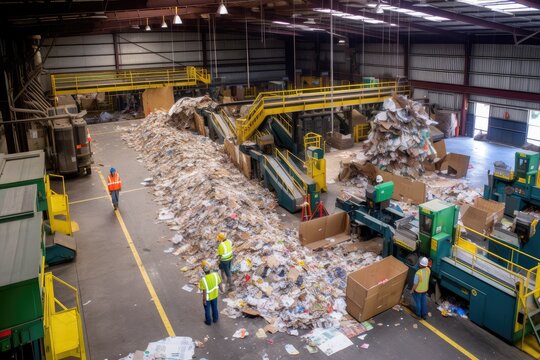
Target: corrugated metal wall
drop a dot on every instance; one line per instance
(381, 60)
(443, 63)
(449, 101)
(506, 67)
(159, 49)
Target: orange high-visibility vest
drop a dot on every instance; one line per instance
(114, 182)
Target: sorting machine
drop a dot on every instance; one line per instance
(502, 294)
(518, 188)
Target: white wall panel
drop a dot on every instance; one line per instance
(444, 100)
(514, 114)
(442, 63)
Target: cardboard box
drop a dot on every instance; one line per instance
(455, 164)
(375, 288)
(482, 215)
(340, 141)
(325, 232)
(357, 118)
(159, 98)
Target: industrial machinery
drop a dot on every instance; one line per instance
(500, 291)
(519, 188)
(34, 322)
(70, 150)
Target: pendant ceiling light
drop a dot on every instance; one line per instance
(147, 28)
(163, 23)
(177, 20)
(222, 10)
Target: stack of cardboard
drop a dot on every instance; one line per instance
(340, 141)
(399, 141)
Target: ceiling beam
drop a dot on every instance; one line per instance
(430, 10)
(529, 3)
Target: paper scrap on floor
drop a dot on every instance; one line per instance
(171, 348)
(329, 341)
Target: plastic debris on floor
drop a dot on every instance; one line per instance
(399, 140)
(201, 193)
(448, 309)
(171, 348)
(329, 341)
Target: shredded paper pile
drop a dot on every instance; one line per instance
(399, 139)
(201, 193)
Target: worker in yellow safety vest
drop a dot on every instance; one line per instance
(420, 288)
(114, 185)
(209, 285)
(225, 254)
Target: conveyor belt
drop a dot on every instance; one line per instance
(490, 269)
(222, 126)
(273, 103)
(285, 180)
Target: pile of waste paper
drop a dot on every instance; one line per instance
(201, 194)
(399, 140)
(182, 112)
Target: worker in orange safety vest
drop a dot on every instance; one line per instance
(114, 184)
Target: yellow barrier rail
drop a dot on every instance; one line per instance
(279, 102)
(64, 337)
(108, 81)
(361, 132)
(283, 182)
(286, 122)
(312, 139)
(291, 169)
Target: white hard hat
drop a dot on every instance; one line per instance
(424, 262)
(379, 179)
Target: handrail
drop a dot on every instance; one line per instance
(498, 242)
(475, 257)
(283, 182)
(86, 82)
(317, 98)
(302, 186)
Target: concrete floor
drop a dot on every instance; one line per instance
(120, 315)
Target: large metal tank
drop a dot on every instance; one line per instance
(82, 146)
(66, 157)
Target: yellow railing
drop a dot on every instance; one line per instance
(312, 139)
(89, 82)
(291, 169)
(361, 132)
(281, 180)
(287, 124)
(278, 102)
(250, 92)
(64, 337)
(58, 204)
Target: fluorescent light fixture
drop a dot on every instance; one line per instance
(147, 28)
(163, 23)
(280, 23)
(501, 6)
(177, 20)
(379, 9)
(341, 41)
(414, 13)
(310, 21)
(222, 10)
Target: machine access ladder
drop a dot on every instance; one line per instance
(280, 102)
(64, 336)
(108, 81)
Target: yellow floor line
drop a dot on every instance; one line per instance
(142, 269)
(104, 196)
(444, 337)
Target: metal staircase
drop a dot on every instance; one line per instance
(280, 102)
(58, 208)
(64, 336)
(108, 81)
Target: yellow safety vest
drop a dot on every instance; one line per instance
(423, 280)
(225, 250)
(210, 283)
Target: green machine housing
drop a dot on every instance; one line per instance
(516, 189)
(437, 225)
(25, 169)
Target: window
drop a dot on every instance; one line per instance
(481, 118)
(533, 131)
(426, 223)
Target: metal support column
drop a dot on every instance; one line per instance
(466, 75)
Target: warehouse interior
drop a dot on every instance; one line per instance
(269, 179)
